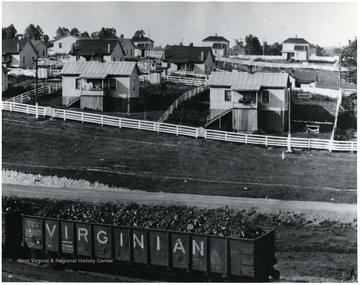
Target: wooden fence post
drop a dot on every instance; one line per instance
(119, 123)
(82, 118)
(246, 138)
(64, 115)
(352, 147)
(177, 130)
(266, 141)
(10, 107)
(330, 145)
(36, 111)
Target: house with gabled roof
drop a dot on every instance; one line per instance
(142, 45)
(297, 49)
(219, 45)
(129, 48)
(62, 45)
(102, 86)
(22, 53)
(250, 102)
(102, 50)
(194, 59)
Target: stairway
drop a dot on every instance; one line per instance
(212, 118)
(182, 98)
(72, 101)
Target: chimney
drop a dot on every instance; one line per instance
(215, 34)
(109, 48)
(202, 55)
(18, 47)
(295, 36)
(122, 36)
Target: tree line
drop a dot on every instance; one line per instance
(36, 33)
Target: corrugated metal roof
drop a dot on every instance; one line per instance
(95, 69)
(243, 81)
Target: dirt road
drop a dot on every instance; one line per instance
(314, 211)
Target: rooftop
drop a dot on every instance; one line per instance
(10, 46)
(94, 46)
(100, 70)
(243, 81)
(296, 41)
(215, 39)
(185, 54)
(304, 76)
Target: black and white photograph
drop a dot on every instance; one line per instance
(194, 141)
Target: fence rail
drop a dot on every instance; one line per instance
(186, 80)
(239, 61)
(84, 117)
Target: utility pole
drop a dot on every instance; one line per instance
(36, 80)
(263, 47)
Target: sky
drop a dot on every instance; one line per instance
(324, 24)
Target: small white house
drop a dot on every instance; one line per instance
(297, 49)
(62, 45)
(220, 45)
(102, 86)
(254, 101)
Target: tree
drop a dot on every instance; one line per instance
(74, 32)
(61, 31)
(45, 39)
(33, 33)
(349, 60)
(275, 49)
(139, 34)
(95, 35)
(252, 45)
(85, 34)
(320, 51)
(9, 32)
(107, 33)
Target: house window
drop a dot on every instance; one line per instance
(265, 96)
(43, 52)
(134, 84)
(228, 96)
(77, 84)
(112, 83)
(23, 59)
(60, 45)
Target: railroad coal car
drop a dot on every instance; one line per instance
(187, 253)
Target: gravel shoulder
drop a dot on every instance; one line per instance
(313, 211)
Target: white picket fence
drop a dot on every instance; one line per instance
(27, 96)
(186, 80)
(281, 141)
(280, 65)
(321, 91)
(243, 138)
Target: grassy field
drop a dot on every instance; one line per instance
(159, 162)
